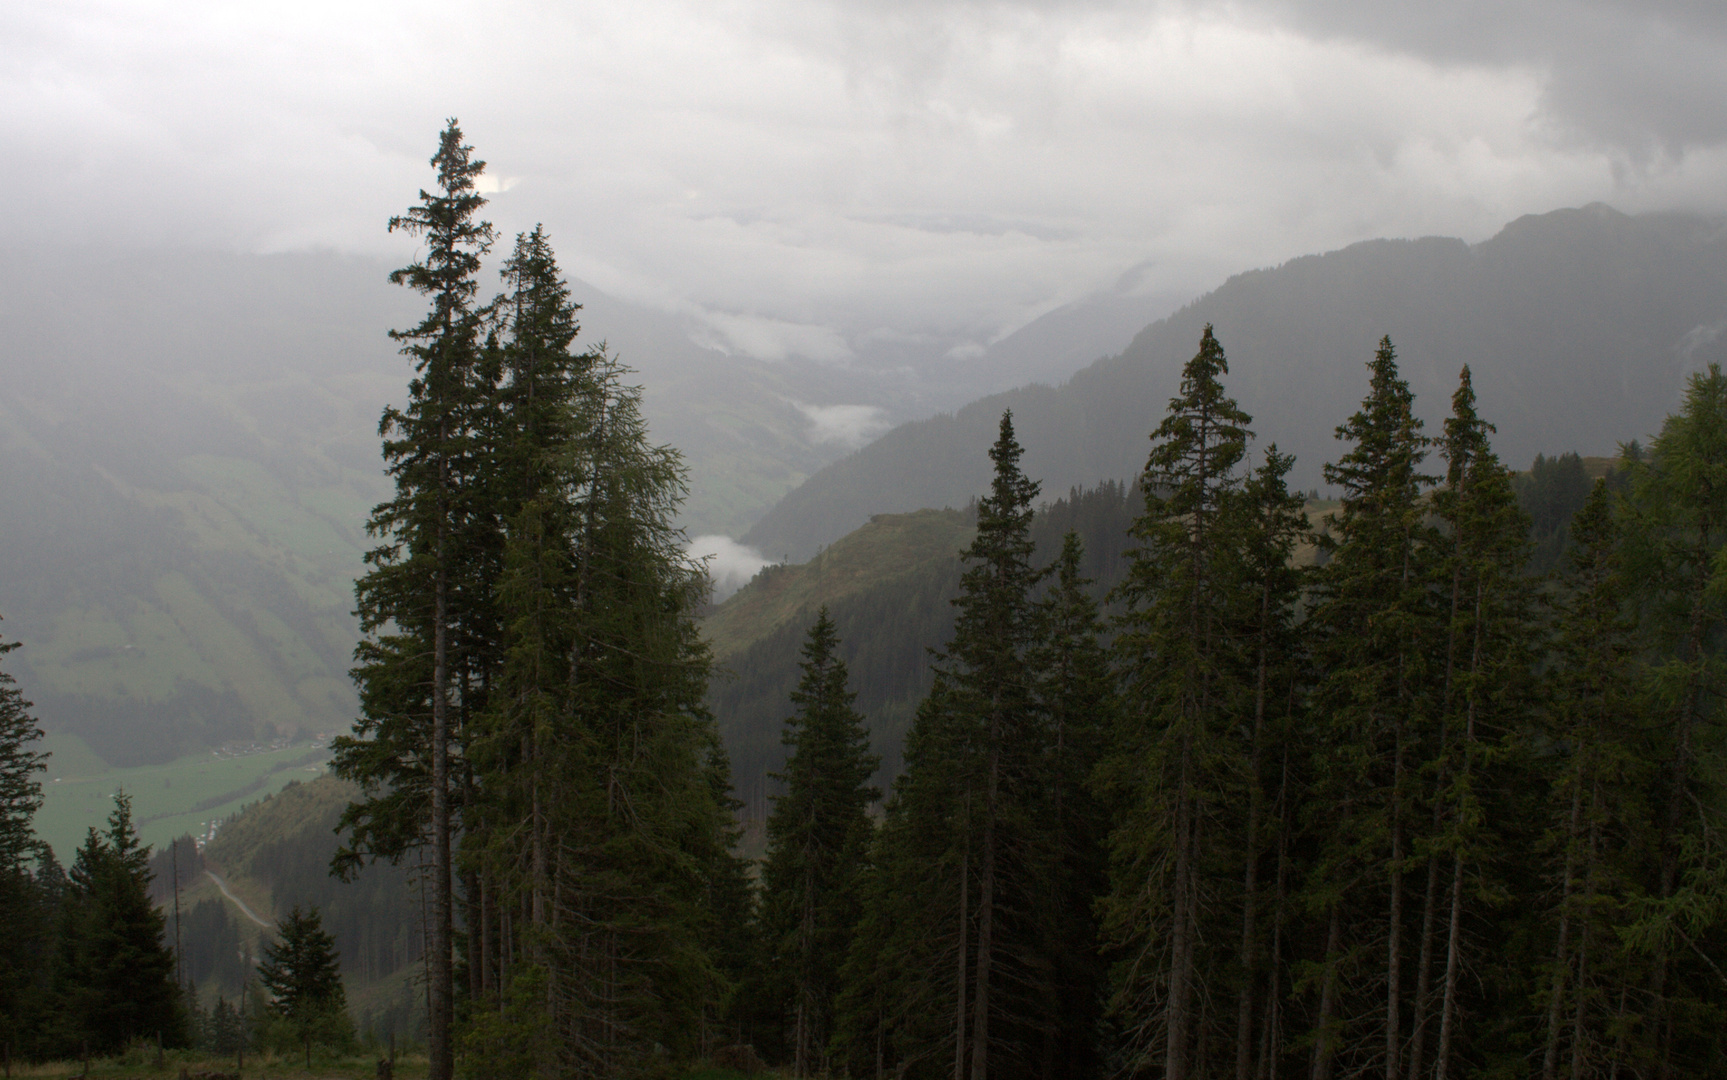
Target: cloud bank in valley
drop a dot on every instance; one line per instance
(730, 564)
(849, 426)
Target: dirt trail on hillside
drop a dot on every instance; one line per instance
(239, 903)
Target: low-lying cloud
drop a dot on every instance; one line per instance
(850, 426)
(731, 565)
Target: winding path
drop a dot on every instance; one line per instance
(239, 903)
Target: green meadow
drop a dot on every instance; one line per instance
(168, 800)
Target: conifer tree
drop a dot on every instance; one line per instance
(1598, 820)
(606, 747)
(24, 946)
(818, 839)
(422, 602)
(20, 791)
(1077, 695)
(733, 932)
(1485, 714)
(948, 939)
(1174, 652)
(995, 700)
(1269, 676)
(225, 1027)
(303, 976)
(114, 976)
(1372, 628)
(904, 997)
(531, 429)
(1674, 534)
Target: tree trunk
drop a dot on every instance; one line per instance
(1430, 897)
(1324, 1051)
(1394, 919)
(1250, 883)
(1561, 952)
(1271, 1047)
(1680, 769)
(1424, 965)
(441, 1065)
(1454, 946)
(488, 982)
(1454, 939)
(964, 943)
(1591, 883)
(1180, 934)
(986, 918)
(804, 1043)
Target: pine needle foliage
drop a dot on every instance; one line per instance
(819, 835)
(1168, 773)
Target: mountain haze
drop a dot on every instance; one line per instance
(189, 452)
(1579, 327)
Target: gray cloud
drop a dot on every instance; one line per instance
(1639, 75)
(849, 426)
(815, 179)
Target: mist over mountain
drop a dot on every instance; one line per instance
(189, 452)
(1579, 327)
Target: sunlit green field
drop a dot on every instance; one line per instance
(182, 796)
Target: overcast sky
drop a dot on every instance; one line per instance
(803, 175)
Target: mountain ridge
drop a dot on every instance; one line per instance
(1579, 326)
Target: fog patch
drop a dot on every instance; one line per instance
(770, 339)
(730, 564)
(849, 426)
(1700, 347)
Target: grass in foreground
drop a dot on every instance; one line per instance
(261, 1066)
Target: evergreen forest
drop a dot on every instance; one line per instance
(1196, 777)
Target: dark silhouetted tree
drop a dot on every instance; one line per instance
(818, 841)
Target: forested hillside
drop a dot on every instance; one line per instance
(888, 588)
(1579, 324)
(274, 856)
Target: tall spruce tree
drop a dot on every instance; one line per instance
(1268, 679)
(20, 791)
(421, 603)
(818, 840)
(1077, 694)
(949, 938)
(1174, 652)
(1372, 626)
(599, 742)
(113, 973)
(993, 697)
(1675, 531)
(633, 812)
(24, 947)
(1598, 819)
(531, 430)
(1479, 776)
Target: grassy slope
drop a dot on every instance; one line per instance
(168, 800)
(888, 547)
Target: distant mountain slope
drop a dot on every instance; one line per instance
(887, 586)
(189, 452)
(1579, 326)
